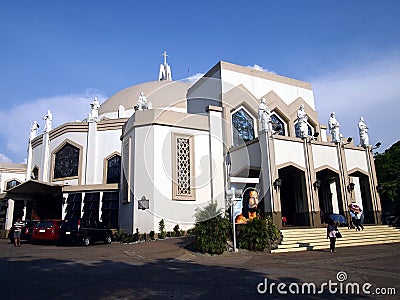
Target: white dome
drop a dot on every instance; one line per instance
(162, 94)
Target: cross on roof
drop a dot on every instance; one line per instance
(165, 57)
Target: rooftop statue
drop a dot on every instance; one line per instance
(34, 129)
(302, 122)
(363, 130)
(334, 128)
(264, 116)
(48, 118)
(142, 102)
(95, 105)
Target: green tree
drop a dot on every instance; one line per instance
(387, 167)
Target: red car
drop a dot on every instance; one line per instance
(47, 230)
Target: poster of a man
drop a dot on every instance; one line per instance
(249, 207)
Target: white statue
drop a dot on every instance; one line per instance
(363, 129)
(142, 102)
(264, 116)
(48, 118)
(334, 128)
(34, 129)
(302, 122)
(94, 113)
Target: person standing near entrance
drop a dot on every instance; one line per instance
(331, 234)
(17, 232)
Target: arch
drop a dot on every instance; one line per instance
(293, 196)
(329, 193)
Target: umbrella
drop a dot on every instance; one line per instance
(354, 207)
(338, 218)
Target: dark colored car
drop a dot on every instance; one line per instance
(84, 232)
(26, 232)
(46, 230)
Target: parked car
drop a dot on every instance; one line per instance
(46, 230)
(26, 232)
(84, 231)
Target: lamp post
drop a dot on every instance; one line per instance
(233, 196)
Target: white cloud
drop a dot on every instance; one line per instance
(16, 120)
(260, 68)
(371, 90)
(4, 158)
(193, 78)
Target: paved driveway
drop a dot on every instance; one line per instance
(166, 270)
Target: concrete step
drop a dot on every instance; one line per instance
(304, 239)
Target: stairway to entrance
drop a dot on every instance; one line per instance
(308, 239)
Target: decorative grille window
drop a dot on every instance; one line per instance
(183, 165)
(183, 180)
(66, 162)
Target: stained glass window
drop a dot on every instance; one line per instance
(66, 162)
(114, 169)
(278, 125)
(243, 127)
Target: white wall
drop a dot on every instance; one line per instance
(261, 86)
(325, 155)
(289, 151)
(356, 159)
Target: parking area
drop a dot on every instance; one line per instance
(165, 269)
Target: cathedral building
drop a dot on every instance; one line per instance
(165, 149)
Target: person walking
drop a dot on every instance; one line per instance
(357, 220)
(17, 232)
(331, 234)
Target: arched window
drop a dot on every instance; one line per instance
(114, 169)
(278, 123)
(12, 183)
(66, 163)
(243, 127)
(35, 173)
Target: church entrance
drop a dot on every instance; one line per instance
(329, 194)
(293, 197)
(360, 193)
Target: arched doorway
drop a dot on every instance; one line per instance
(360, 193)
(329, 194)
(293, 196)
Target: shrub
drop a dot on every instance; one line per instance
(257, 234)
(211, 235)
(152, 235)
(161, 227)
(176, 230)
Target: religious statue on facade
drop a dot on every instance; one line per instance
(48, 118)
(334, 128)
(363, 130)
(302, 122)
(34, 129)
(95, 105)
(142, 102)
(264, 116)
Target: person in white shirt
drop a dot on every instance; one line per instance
(17, 232)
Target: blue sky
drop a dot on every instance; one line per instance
(58, 55)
